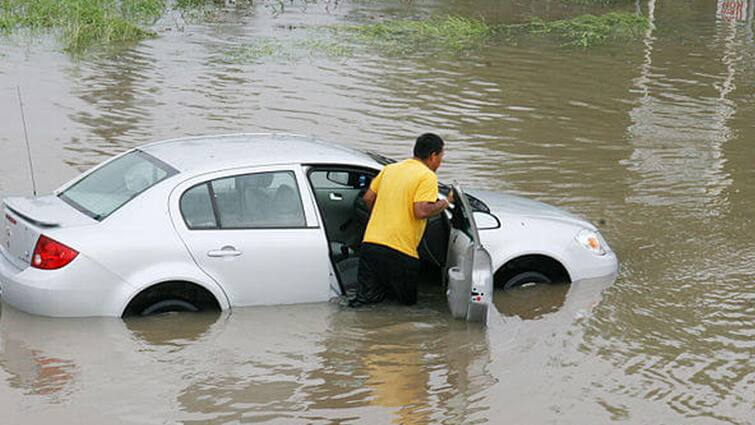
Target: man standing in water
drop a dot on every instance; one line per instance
(401, 198)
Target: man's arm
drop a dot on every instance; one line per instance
(369, 199)
(424, 210)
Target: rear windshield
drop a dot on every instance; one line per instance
(116, 183)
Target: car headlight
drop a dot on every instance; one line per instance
(592, 241)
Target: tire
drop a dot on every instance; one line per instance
(525, 277)
(172, 304)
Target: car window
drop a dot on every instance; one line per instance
(335, 179)
(460, 218)
(196, 208)
(329, 179)
(259, 200)
(111, 186)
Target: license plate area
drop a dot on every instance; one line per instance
(17, 237)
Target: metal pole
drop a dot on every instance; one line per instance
(26, 136)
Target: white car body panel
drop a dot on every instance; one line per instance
(146, 242)
(532, 228)
(62, 292)
(276, 266)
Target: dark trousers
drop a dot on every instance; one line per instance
(385, 273)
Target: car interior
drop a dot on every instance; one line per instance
(260, 200)
(338, 192)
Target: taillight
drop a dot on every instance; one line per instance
(51, 255)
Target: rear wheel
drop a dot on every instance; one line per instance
(169, 305)
(171, 296)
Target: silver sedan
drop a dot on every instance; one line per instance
(217, 222)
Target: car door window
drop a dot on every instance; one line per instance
(460, 217)
(196, 208)
(259, 200)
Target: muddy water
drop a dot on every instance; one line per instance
(653, 140)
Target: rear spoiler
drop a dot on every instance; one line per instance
(22, 206)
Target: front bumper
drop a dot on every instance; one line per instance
(82, 288)
(586, 265)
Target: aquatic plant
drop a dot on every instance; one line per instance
(403, 35)
(254, 51)
(186, 4)
(456, 33)
(596, 2)
(590, 30)
(286, 50)
(83, 23)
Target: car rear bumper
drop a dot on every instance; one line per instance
(82, 288)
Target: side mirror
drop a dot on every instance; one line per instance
(339, 177)
(485, 221)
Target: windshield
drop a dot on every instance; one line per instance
(113, 185)
(380, 159)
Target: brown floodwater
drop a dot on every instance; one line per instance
(654, 140)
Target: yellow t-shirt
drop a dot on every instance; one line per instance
(398, 187)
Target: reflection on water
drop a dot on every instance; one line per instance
(652, 140)
(682, 121)
(162, 329)
(35, 373)
(531, 302)
(314, 363)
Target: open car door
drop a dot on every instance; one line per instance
(469, 270)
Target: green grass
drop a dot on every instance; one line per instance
(83, 23)
(404, 36)
(286, 50)
(255, 51)
(187, 4)
(596, 2)
(590, 30)
(451, 33)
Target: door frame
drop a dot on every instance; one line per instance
(475, 284)
(307, 169)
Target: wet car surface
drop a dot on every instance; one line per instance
(650, 141)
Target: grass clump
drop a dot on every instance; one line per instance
(82, 23)
(255, 51)
(403, 36)
(596, 2)
(590, 30)
(456, 33)
(286, 51)
(187, 4)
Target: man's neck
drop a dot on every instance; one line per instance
(422, 161)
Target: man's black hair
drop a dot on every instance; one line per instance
(428, 144)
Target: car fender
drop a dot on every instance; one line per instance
(526, 236)
(171, 272)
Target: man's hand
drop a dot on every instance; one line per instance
(450, 196)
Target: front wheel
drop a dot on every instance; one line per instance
(526, 278)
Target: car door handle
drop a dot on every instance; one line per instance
(336, 197)
(226, 251)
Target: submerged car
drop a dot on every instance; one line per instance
(217, 222)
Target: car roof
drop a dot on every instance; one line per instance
(216, 152)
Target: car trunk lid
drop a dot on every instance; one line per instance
(25, 219)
